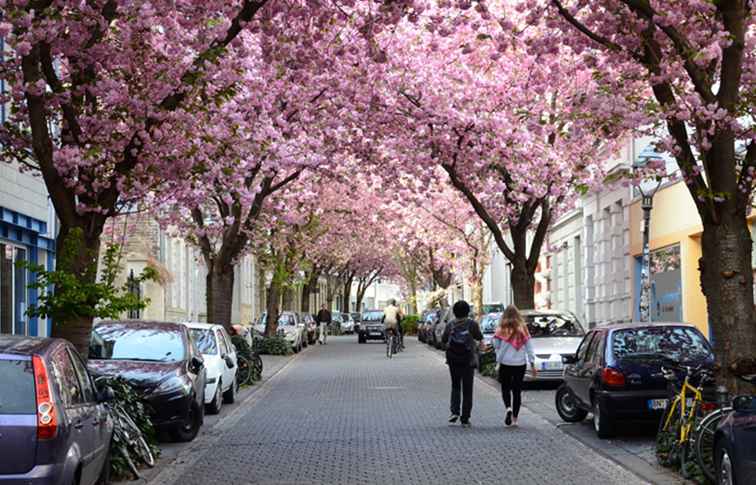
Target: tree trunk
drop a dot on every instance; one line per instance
(272, 307)
(83, 265)
(477, 293)
(288, 299)
(523, 285)
(220, 293)
(311, 284)
(413, 298)
(727, 284)
(346, 294)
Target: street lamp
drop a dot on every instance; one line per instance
(648, 183)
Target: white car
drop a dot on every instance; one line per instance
(219, 354)
(291, 326)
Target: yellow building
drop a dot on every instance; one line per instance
(675, 244)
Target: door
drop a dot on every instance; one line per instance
(94, 417)
(228, 374)
(77, 412)
(576, 375)
(591, 367)
(744, 439)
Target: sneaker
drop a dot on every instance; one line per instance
(453, 418)
(466, 424)
(508, 418)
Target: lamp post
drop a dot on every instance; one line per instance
(647, 185)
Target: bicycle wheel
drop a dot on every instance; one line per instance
(389, 346)
(668, 449)
(243, 370)
(124, 452)
(257, 366)
(143, 451)
(704, 442)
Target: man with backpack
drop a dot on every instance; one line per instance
(460, 336)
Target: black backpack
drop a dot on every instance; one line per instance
(461, 344)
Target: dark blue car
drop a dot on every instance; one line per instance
(54, 427)
(735, 444)
(616, 373)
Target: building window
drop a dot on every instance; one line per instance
(13, 291)
(135, 289)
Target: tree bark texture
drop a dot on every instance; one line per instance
(346, 294)
(219, 294)
(273, 308)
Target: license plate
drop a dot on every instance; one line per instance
(551, 366)
(375, 333)
(656, 404)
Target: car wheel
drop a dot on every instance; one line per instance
(567, 406)
(229, 397)
(725, 470)
(602, 422)
(215, 405)
(189, 429)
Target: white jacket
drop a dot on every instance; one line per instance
(390, 316)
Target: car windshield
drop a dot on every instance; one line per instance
(488, 322)
(337, 317)
(205, 340)
(286, 319)
(123, 342)
(372, 316)
(553, 325)
(681, 344)
(17, 375)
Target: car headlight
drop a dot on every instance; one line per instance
(173, 385)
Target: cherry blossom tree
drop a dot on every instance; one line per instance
(505, 124)
(698, 61)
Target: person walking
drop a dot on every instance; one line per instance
(324, 319)
(514, 351)
(460, 336)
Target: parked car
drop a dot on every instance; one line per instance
(371, 327)
(221, 365)
(356, 317)
(488, 325)
(311, 328)
(291, 326)
(162, 363)
(616, 372)
(735, 443)
(444, 318)
(337, 320)
(53, 421)
(553, 335)
(347, 324)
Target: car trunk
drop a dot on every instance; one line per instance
(18, 418)
(642, 372)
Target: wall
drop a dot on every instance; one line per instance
(564, 283)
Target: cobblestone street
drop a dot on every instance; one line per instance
(345, 414)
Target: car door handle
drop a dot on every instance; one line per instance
(78, 425)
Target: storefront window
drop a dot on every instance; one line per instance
(666, 285)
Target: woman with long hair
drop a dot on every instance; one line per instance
(514, 351)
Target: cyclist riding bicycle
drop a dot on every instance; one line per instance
(392, 318)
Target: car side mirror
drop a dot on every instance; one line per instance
(744, 403)
(197, 364)
(229, 361)
(569, 359)
(105, 394)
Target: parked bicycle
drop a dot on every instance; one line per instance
(249, 362)
(128, 440)
(684, 410)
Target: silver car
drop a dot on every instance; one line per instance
(554, 334)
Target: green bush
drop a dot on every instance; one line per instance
(669, 454)
(488, 363)
(409, 324)
(274, 346)
(136, 408)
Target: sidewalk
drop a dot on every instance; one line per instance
(272, 364)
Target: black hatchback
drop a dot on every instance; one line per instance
(617, 372)
(160, 360)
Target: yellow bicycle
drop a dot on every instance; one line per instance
(675, 436)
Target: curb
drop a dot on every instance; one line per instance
(188, 456)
